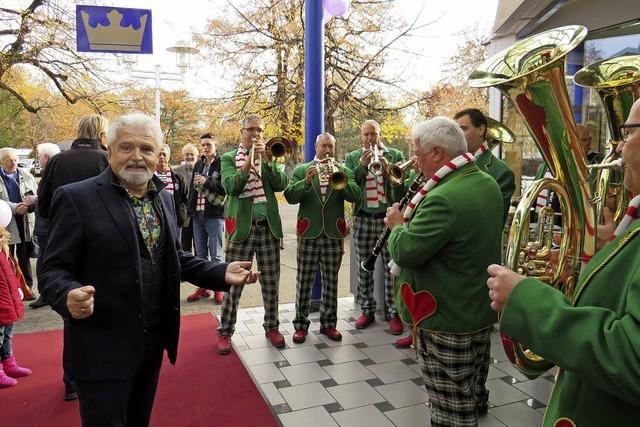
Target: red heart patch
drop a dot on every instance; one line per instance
(303, 225)
(564, 422)
(341, 224)
(420, 304)
(230, 225)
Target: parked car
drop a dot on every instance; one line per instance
(26, 164)
(36, 170)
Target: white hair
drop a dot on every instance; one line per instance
(48, 149)
(326, 135)
(8, 151)
(136, 120)
(440, 131)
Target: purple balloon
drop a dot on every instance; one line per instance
(336, 7)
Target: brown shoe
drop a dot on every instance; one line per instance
(364, 321)
(299, 336)
(332, 333)
(276, 338)
(224, 344)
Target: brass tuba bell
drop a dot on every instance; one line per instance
(617, 82)
(531, 74)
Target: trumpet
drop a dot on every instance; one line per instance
(397, 173)
(279, 146)
(375, 165)
(616, 165)
(328, 171)
(252, 157)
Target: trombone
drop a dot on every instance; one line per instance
(328, 171)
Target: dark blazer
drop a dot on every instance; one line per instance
(213, 184)
(92, 241)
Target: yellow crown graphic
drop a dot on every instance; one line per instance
(114, 36)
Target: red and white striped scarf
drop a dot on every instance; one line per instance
(375, 186)
(632, 213)
(253, 188)
(167, 179)
(452, 165)
(484, 147)
(543, 196)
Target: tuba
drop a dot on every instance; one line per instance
(531, 74)
(617, 81)
(498, 133)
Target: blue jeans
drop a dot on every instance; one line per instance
(207, 236)
(6, 333)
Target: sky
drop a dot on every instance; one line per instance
(436, 43)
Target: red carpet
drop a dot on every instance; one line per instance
(202, 389)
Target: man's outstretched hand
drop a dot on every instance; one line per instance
(239, 273)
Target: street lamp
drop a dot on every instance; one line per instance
(183, 58)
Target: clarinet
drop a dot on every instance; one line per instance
(370, 263)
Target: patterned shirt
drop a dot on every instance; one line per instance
(146, 216)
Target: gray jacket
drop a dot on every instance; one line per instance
(27, 183)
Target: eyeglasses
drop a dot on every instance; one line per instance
(253, 129)
(624, 130)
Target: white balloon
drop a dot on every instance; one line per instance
(5, 213)
(326, 16)
(336, 7)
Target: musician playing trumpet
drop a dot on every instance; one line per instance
(321, 190)
(376, 194)
(441, 244)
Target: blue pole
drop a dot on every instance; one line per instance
(313, 97)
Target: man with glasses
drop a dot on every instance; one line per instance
(206, 208)
(251, 178)
(594, 336)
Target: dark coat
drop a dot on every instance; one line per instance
(213, 184)
(92, 241)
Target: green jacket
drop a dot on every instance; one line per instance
(314, 215)
(503, 175)
(594, 339)
(444, 252)
(240, 211)
(392, 194)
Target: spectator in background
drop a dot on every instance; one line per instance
(185, 170)
(174, 184)
(86, 158)
(206, 207)
(18, 189)
(45, 151)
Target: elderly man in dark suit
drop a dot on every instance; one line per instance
(113, 269)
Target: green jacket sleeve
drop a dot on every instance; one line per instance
(593, 342)
(507, 183)
(298, 187)
(351, 192)
(359, 171)
(233, 179)
(277, 179)
(427, 233)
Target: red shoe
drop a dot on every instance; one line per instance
(299, 336)
(224, 344)
(404, 342)
(218, 297)
(395, 325)
(199, 294)
(276, 338)
(332, 333)
(364, 321)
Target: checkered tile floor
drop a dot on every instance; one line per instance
(364, 380)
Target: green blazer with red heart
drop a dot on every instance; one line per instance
(392, 193)
(314, 215)
(594, 338)
(455, 233)
(239, 211)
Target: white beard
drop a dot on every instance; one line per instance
(135, 178)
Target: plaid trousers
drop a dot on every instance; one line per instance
(267, 251)
(451, 369)
(365, 234)
(328, 253)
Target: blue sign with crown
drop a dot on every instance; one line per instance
(113, 29)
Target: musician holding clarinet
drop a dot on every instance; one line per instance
(440, 254)
(368, 165)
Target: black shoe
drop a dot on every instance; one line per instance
(40, 302)
(70, 395)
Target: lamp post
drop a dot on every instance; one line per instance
(183, 59)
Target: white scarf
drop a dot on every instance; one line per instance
(629, 216)
(253, 187)
(454, 164)
(375, 186)
(484, 147)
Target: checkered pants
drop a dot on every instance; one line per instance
(267, 251)
(451, 367)
(328, 253)
(365, 234)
